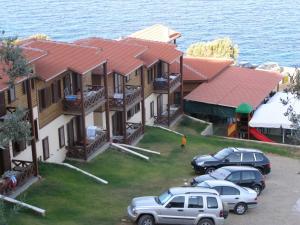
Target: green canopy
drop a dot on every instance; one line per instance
(244, 108)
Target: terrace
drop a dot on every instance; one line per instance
(165, 119)
(163, 85)
(93, 98)
(133, 95)
(133, 132)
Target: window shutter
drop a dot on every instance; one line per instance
(8, 96)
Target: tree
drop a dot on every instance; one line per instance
(294, 90)
(14, 127)
(219, 48)
(40, 37)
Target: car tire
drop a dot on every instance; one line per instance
(146, 220)
(240, 208)
(205, 222)
(209, 170)
(257, 189)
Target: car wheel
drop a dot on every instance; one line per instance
(146, 220)
(210, 170)
(240, 208)
(257, 189)
(205, 222)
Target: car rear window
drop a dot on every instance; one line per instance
(248, 175)
(259, 157)
(230, 191)
(212, 203)
(195, 202)
(248, 157)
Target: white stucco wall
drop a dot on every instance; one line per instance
(148, 100)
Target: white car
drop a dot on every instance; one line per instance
(239, 199)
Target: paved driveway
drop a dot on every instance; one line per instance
(279, 203)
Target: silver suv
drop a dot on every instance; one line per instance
(180, 205)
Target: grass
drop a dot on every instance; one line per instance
(74, 199)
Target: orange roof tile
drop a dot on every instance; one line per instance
(122, 57)
(31, 55)
(236, 85)
(201, 69)
(157, 32)
(156, 51)
(62, 56)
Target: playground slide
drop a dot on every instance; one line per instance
(259, 136)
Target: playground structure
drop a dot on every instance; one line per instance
(241, 129)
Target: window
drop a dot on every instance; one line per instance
(45, 98)
(24, 89)
(18, 146)
(133, 110)
(230, 191)
(212, 203)
(150, 75)
(137, 108)
(138, 72)
(248, 175)
(195, 202)
(259, 157)
(234, 177)
(61, 135)
(56, 91)
(32, 84)
(234, 157)
(218, 189)
(177, 202)
(11, 94)
(36, 130)
(248, 157)
(151, 109)
(46, 153)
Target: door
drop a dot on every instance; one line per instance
(70, 130)
(194, 208)
(118, 83)
(234, 159)
(117, 124)
(173, 212)
(248, 159)
(230, 195)
(159, 105)
(2, 104)
(5, 163)
(79, 128)
(159, 69)
(234, 177)
(248, 179)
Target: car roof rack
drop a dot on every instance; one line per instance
(200, 192)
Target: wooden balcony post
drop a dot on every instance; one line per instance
(124, 109)
(181, 83)
(169, 97)
(143, 98)
(107, 101)
(31, 119)
(83, 118)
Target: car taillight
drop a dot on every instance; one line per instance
(269, 165)
(221, 213)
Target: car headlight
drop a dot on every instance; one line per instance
(200, 163)
(134, 211)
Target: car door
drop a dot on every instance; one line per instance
(230, 195)
(194, 208)
(173, 211)
(248, 159)
(233, 159)
(234, 177)
(248, 179)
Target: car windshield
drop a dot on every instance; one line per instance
(164, 197)
(220, 174)
(203, 184)
(223, 153)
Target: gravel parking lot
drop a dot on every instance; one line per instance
(279, 203)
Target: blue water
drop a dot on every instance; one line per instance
(265, 30)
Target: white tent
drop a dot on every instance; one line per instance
(272, 114)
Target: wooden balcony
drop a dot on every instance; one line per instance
(22, 170)
(93, 98)
(133, 132)
(133, 95)
(164, 120)
(77, 151)
(161, 85)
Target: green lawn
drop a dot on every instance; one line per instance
(72, 198)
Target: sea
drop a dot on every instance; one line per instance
(264, 30)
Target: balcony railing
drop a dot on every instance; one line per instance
(93, 97)
(163, 119)
(133, 130)
(22, 171)
(133, 95)
(161, 84)
(77, 151)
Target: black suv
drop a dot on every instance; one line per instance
(232, 157)
(244, 176)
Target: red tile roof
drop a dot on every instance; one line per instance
(155, 51)
(236, 85)
(62, 56)
(122, 57)
(31, 56)
(157, 32)
(201, 69)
